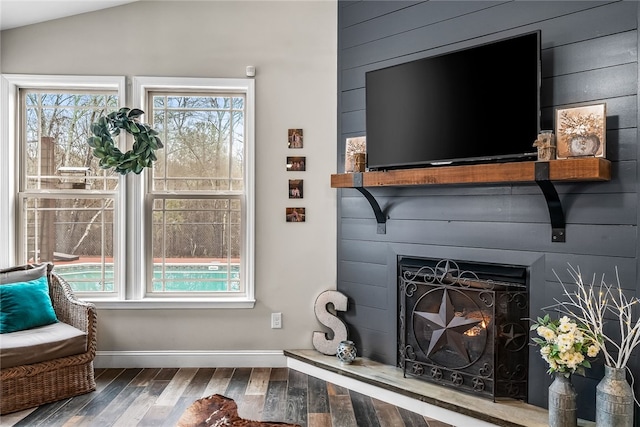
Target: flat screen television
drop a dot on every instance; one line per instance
(480, 104)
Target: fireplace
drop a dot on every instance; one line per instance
(463, 325)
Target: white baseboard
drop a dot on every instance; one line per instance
(191, 359)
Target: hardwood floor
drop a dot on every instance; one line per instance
(158, 397)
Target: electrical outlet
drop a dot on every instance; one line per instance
(276, 320)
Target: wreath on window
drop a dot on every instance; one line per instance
(141, 156)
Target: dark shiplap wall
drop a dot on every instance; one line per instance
(589, 54)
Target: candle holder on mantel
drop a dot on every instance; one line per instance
(346, 352)
(546, 144)
(360, 162)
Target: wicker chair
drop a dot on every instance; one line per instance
(28, 386)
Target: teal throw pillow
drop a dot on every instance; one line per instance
(25, 305)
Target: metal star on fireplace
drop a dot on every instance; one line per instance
(508, 332)
(447, 327)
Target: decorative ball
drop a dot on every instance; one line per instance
(346, 351)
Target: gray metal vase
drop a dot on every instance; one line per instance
(614, 399)
(562, 402)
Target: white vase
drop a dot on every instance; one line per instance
(584, 145)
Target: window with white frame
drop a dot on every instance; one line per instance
(198, 192)
(66, 205)
(179, 232)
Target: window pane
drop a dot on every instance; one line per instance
(76, 234)
(196, 245)
(204, 143)
(237, 153)
(56, 153)
(198, 191)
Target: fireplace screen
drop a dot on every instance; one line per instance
(462, 325)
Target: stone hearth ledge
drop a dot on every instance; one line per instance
(504, 412)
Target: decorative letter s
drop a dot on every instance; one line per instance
(320, 341)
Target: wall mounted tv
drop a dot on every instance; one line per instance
(479, 104)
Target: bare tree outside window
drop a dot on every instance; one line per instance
(202, 163)
(62, 222)
(189, 237)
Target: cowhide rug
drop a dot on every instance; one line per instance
(220, 411)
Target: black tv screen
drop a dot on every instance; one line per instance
(478, 104)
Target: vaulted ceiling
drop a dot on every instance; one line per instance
(17, 13)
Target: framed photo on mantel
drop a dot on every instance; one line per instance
(581, 131)
(354, 154)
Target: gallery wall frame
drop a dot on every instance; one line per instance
(295, 138)
(296, 214)
(296, 189)
(296, 163)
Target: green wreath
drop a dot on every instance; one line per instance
(141, 156)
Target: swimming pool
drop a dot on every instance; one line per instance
(177, 277)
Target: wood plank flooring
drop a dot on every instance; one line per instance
(158, 397)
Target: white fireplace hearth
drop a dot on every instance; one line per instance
(388, 383)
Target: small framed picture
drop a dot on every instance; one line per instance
(295, 138)
(581, 131)
(296, 214)
(354, 154)
(296, 164)
(295, 189)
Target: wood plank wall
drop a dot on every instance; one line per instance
(589, 54)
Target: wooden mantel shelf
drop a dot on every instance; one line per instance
(582, 169)
(542, 173)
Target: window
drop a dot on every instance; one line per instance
(64, 207)
(179, 234)
(198, 193)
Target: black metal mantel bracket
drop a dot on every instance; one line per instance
(381, 219)
(556, 214)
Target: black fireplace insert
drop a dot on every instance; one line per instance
(464, 325)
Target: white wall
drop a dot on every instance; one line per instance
(293, 45)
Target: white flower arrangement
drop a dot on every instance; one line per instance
(589, 304)
(564, 345)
